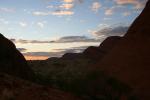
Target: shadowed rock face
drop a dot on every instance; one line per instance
(129, 60)
(97, 53)
(12, 61)
(109, 43)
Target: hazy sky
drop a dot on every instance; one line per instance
(46, 28)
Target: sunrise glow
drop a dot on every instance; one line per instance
(48, 28)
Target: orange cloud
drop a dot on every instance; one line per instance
(60, 13)
(36, 57)
(95, 6)
(66, 6)
(109, 11)
(126, 1)
(57, 12)
(138, 4)
(126, 13)
(39, 13)
(68, 1)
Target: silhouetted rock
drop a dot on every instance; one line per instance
(129, 60)
(97, 53)
(94, 53)
(71, 56)
(12, 61)
(52, 58)
(107, 45)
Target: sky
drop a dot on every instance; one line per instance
(49, 28)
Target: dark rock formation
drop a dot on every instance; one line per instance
(97, 53)
(129, 60)
(12, 61)
(107, 45)
(12, 88)
(71, 56)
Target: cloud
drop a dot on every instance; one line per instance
(95, 6)
(39, 54)
(80, 1)
(111, 31)
(63, 8)
(72, 50)
(68, 1)
(22, 49)
(69, 39)
(50, 6)
(127, 13)
(138, 4)
(120, 7)
(66, 39)
(44, 54)
(109, 11)
(40, 24)
(4, 21)
(59, 52)
(22, 41)
(56, 12)
(8, 10)
(123, 2)
(13, 40)
(116, 8)
(38, 13)
(62, 12)
(106, 18)
(66, 6)
(23, 24)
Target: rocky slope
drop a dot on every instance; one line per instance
(12, 88)
(129, 60)
(12, 61)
